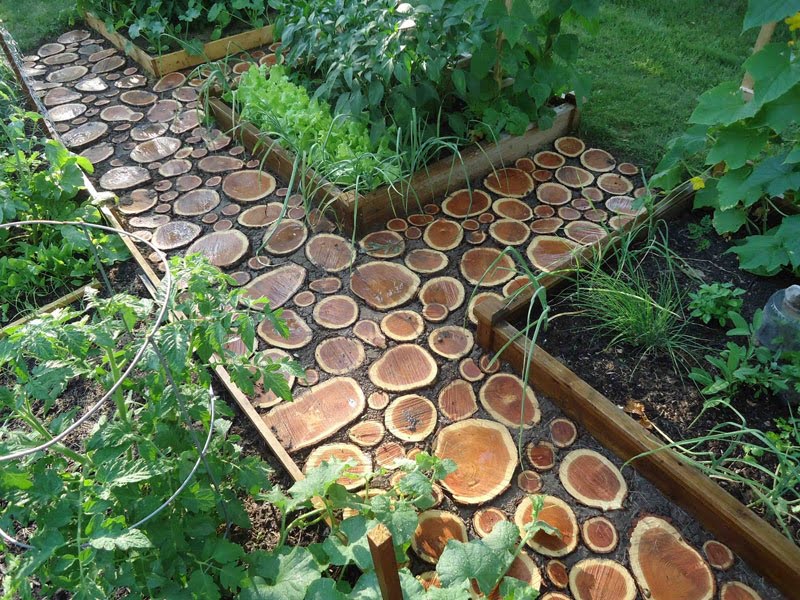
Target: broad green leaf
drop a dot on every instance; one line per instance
(131, 538)
(729, 221)
(287, 575)
(515, 589)
(774, 70)
(782, 112)
(760, 12)
(356, 549)
(761, 254)
(324, 589)
(736, 144)
(722, 105)
(203, 585)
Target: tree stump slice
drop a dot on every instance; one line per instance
(451, 341)
(511, 208)
(719, 556)
(445, 290)
(66, 112)
(138, 98)
(384, 285)
(598, 160)
(553, 194)
(509, 400)
(434, 529)
(558, 515)
(196, 202)
(285, 236)
(508, 232)
(601, 579)
(50, 49)
(169, 82)
(277, 285)
(623, 205)
(736, 590)
(599, 535)
(478, 299)
(593, 480)
(402, 325)
(485, 519)
(435, 313)
(124, 178)
(60, 95)
(175, 234)
(529, 482)
(585, 232)
(546, 226)
(67, 74)
(112, 63)
(403, 368)
(336, 312)
(85, 135)
(260, 215)
(339, 355)
(175, 167)
(557, 573)
(424, 260)
(262, 397)
(330, 252)
(370, 333)
(300, 334)
(248, 186)
(155, 150)
(383, 244)
(510, 182)
(563, 432)
(466, 203)
(219, 164)
(443, 234)
(222, 248)
(137, 202)
(612, 183)
(457, 400)
(549, 253)
(574, 177)
(487, 267)
(513, 287)
(548, 160)
(541, 455)
(411, 418)
(390, 455)
(352, 478)
(569, 146)
(367, 433)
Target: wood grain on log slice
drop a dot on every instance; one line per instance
(124, 178)
(542, 175)
(396, 224)
(502, 397)
(429, 579)
(223, 225)
(523, 568)
(628, 169)
(475, 300)
(601, 579)
(563, 432)
(618, 222)
(424, 260)
(384, 285)
(310, 378)
(74, 36)
(403, 325)
(466, 203)
(556, 572)
(169, 82)
(352, 477)
(596, 215)
(130, 82)
(149, 221)
(248, 186)
(304, 299)
(555, 596)
(383, 244)
(112, 63)
(585, 232)
(434, 529)
(619, 185)
(84, 135)
(186, 120)
(155, 149)
(413, 233)
(476, 238)
(485, 457)
(195, 203)
(665, 566)
(556, 513)
(277, 285)
(260, 215)
(529, 482)
(262, 397)
(378, 400)
(222, 248)
(486, 218)
(137, 202)
(435, 313)
(120, 113)
(403, 368)
(148, 131)
(330, 252)
(736, 590)
(390, 455)
(443, 234)
(581, 204)
(185, 94)
(285, 236)
(219, 164)
(599, 535)
(257, 263)
(339, 355)
(50, 49)
(549, 253)
(511, 182)
(592, 194)
(61, 59)
(509, 232)
(138, 98)
(598, 160)
(369, 333)
(641, 192)
(548, 160)
(593, 480)
(542, 455)
(525, 164)
(569, 146)
(411, 418)
(511, 208)
(175, 235)
(487, 267)
(568, 213)
(60, 95)
(240, 278)
(336, 312)
(99, 153)
(66, 112)
(513, 287)
(93, 85)
(718, 554)
(545, 226)
(488, 364)
(175, 167)
(67, 74)
(451, 341)
(553, 194)
(419, 220)
(469, 370)
(574, 177)
(624, 205)
(457, 400)
(485, 519)
(367, 433)
(163, 111)
(470, 225)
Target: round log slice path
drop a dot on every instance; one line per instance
(487, 267)
(556, 572)
(556, 513)
(336, 312)
(149, 148)
(403, 325)
(434, 530)
(352, 477)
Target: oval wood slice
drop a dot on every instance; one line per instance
(509, 232)
(124, 178)
(618, 185)
(186, 120)
(155, 149)
(390, 455)
(599, 535)
(623, 205)
(330, 252)
(277, 285)
(60, 95)
(219, 163)
(541, 455)
(175, 234)
(403, 325)
(466, 203)
(370, 333)
(85, 135)
(487, 267)
(628, 169)
(585, 232)
(352, 478)
(718, 554)
(502, 397)
(248, 186)
(148, 131)
(300, 334)
(403, 368)
(98, 153)
(529, 482)
(598, 160)
(339, 355)
(262, 397)
(574, 177)
(367, 433)
(196, 202)
(304, 299)
(169, 82)
(112, 63)
(485, 457)
(326, 285)
(478, 299)
(66, 112)
(593, 480)
(137, 202)
(542, 175)
(419, 220)
(511, 182)
(67, 74)
(518, 283)
(378, 400)
(384, 285)
(260, 215)
(665, 566)
(525, 164)
(511, 208)
(163, 111)
(383, 244)
(545, 226)
(596, 215)
(443, 235)
(50, 49)
(736, 590)
(569, 146)
(447, 291)
(601, 579)
(336, 312)
(411, 418)
(396, 224)
(175, 167)
(485, 519)
(435, 313)
(557, 573)
(568, 213)
(553, 194)
(523, 568)
(119, 113)
(149, 221)
(556, 513)
(222, 248)
(451, 341)
(563, 432)
(549, 253)
(434, 529)
(457, 400)
(548, 160)
(285, 236)
(92, 85)
(424, 260)
(619, 222)
(138, 98)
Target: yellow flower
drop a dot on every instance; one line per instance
(793, 22)
(697, 183)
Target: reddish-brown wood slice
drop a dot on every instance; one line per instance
(553, 194)
(502, 397)
(574, 177)
(542, 455)
(411, 418)
(285, 236)
(425, 260)
(718, 554)
(525, 164)
(330, 252)
(487, 267)
(404, 368)
(599, 535)
(300, 334)
(585, 232)
(260, 215)
(124, 178)
(568, 213)
(547, 225)
(138, 98)
(511, 208)
(596, 215)
(618, 185)
(339, 355)
(175, 234)
(277, 285)
(548, 160)
(485, 457)
(378, 400)
(451, 341)
(736, 590)
(396, 224)
(443, 235)
(513, 287)
(569, 146)
(248, 186)
(556, 513)
(509, 232)
(390, 455)
(601, 579)
(624, 205)
(196, 202)
(384, 285)
(336, 312)
(304, 299)
(466, 203)
(175, 167)
(485, 519)
(219, 163)
(383, 244)
(169, 82)
(557, 573)
(352, 478)
(60, 95)
(403, 325)
(555, 596)
(628, 169)
(593, 480)
(85, 135)
(598, 160)
(448, 291)
(529, 482)
(477, 299)
(549, 253)
(510, 182)
(370, 333)
(367, 433)
(435, 313)
(563, 432)
(137, 202)
(222, 248)
(665, 566)
(326, 285)
(523, 568)
(434, 529)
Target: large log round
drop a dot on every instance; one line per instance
(511, 208)
(278, 285)
(457, 400)
(434, 529)
(248, 186)
(330, 252)
(411, 418)
(509, 400)
(352, 478)
(404, 368)
(197, 202)
(569, 146)
(598, 160)
(451, 341)
(447, 291)
(384, 285)
(593, 480)
(175, 235)
(548, 253)
(557, 514)
(222, 248)
(736, 590)
(511, 182)
(425, 260)
(601, 579)
(443, 235)
(466, 203)
(285, 236)
(339, 355)
(487, 267)
(336, 312)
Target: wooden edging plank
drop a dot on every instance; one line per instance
(760, 545)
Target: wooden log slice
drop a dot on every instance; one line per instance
(624, 205)
(219, 163)
(186, 120)
(149, 221)
(549, 253)
(466, 203)
(300, 334)
(403, 325)
(248, 186)
(585, 232)
(353, 476)
(169, 82)
(489, 364)
(541, 455)
(148, 131)
(487, 267)
(574, 177)
(485, 519)
(478, 299)
(593, 480)
(665, 566)
(411, 418)
(556, 513)
(513, 287)
(569, 146)
(384, 285)
(326, 285)
(718, 554)
(85, 135)
(598, 160)
(448, 291)
(330, 252)
(196, 202)
(175, 234)
(367, 433)
(390, 455)
(66, 112)
(549, 160)
(175, 167)
(137, 202)
(262, 397)
(339, 355)
(419, 220)
(451, 341)
(443, 235)
(155, 149)
(457, 400)
(260, 215)
(369, 333)
(336, 312)
(563, 432)
(508, 232)
(555, 596)
(124, 178)
(424, 260)
(486, 218)
(557, 573)
(383, 244)
(304, 299)
(601, 579)
(119, 113)
(618, 222)
(60, 95)
(525, 164)
(413, 233)
(138, 98)
(93, 85)
(736, 590)
(553, 194)
(596, 215)
(403, 368)
(581, 204)
(67, 74)
(434, 529)
(611, 183)
(396, 224)
(50, 49)
(435, 313)
(628, 169)
(61, 59)
(285, 236)
(485, 457)
(277, 285)
(542, 175)
(523, 568)
(599, 535)
(502, 397)
(510, 182)
(529, 482)
(378, 400)
(112, 63)
(511, 208)
(163, 111)
(545, 226)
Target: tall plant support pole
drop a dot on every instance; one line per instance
(764, 36)
(383, 557)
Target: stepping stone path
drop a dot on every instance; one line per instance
(380, 325)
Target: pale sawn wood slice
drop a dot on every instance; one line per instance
(336, 312)
(300, 334)
(445, 290)
(601, 579)
(487, 267)
(339, 355)
(466, 203)
(404, 368)
(222, 248)
(403, 325)
(510, 401)
(277, 285)
(411, 418)
(451, 341)
(510, 182)
(593, 480)
(330, 252)
(549, 253)
(384, 285)
(457, 400)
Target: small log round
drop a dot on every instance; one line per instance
(557, 573)
(623, 205)
(149, 221)
(403, 325)
(222, 248)
(508, 232)
(486, 218)
(163, 111)
(434, 529)
(596, 215)
(542, 175)
(563, 432)
(339, 355)
(411, 418)
(581, 204)
(352, 478)
(248, 186)
(556, 513)
(383, 244)
(285, 236)
(599, 535)
(511, 182)
(601, 579)
(569, 146)
(175, 167)
(487, 267)
(169, 82)
(618, 222)
(529, 482)
(574, 177)
(525, 164)
(260, 215)
(568, 213)
(611, 183)
(326, 285)
(523, 568)
(420, 220)
(598, 160)
(378, 400)
(509, 400)
(485, 457)
(336, 312)
(443, 235)
(396, 224)
(488, 364)
(390, 455)
(485, 519)
(370, 333)
(585, 232)
(549, 253)
(367, 433)
(148, 131)
(451, 341)
(518, 283)
(219, 163)
(719, 555)
(511, 208)
(553, 194)
(66, 112)
(476, 238)
(593, 480)
(195, 203)
(300, 334)
(384, 285)
(478, 299)
(175, 234)
(684, 574)
(555, 596)
(547, 225)
(435, 313)
(403, 368)
(466, 203)
(423, 260)
(541, 455)
(548, 160)
(304, 299)
(628, 169)
(330, 252)
(470, 225)
(448, 291)
(137, 202)
(736, 590)
(469, 370)
(413, 233)
(457, 400)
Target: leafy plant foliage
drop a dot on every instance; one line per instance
(715, 301)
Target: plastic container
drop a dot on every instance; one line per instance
(780, 329)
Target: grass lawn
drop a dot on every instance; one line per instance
(33, 22)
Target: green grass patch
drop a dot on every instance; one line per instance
(35, 22)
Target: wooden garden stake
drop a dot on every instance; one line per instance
(383, 557)
(764, 36)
